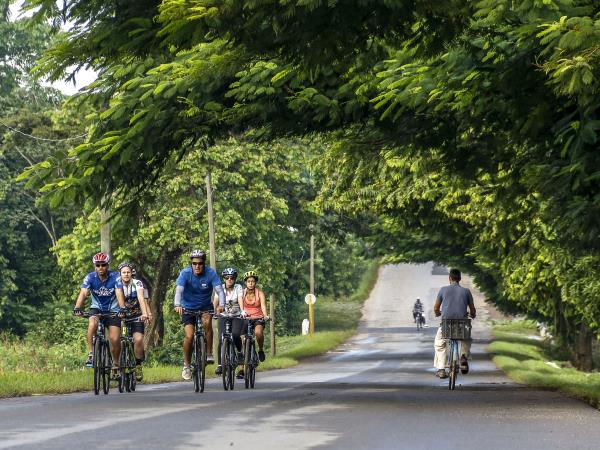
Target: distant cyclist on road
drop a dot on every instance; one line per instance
(255, 307)
(233, 305)
(452, 302)
(102, 285)
(418, 310)
(137, 307)
(194, 292)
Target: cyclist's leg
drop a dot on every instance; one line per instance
(138, 346)
(439, 345)
(188, 330)
(236, 332)
(114, 336)
(208, 332)
(92, 327)
(260, 336)
(465, 348)
(221, 328)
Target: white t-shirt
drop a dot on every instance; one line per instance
(231, 299)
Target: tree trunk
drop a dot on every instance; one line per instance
(584, 348)
(156, 330)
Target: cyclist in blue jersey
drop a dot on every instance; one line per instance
(137, 307)
(102, 286)
(194, 292)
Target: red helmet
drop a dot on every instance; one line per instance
(101, 258)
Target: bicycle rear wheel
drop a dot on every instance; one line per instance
(248, 349)
(97, 365)
(453, 365)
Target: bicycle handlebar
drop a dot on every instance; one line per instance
(100, 315)
(193, 312)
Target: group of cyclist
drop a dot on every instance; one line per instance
(198, 289)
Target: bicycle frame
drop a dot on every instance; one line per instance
(228, 353)
(101, 353)
(198, 360)
(127, 363)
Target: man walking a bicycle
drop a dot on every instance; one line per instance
(452, 302)
(194, 292)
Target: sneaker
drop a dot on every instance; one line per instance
(139, 373)
(89, 362)
(240, 375)
(186, 373)
(464, 365)
(210, 359)
(219, 370)
(261, 355)
(441, 373)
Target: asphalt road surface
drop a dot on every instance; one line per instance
(378, 391)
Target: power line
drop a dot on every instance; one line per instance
(42, 139)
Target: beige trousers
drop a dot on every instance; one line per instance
(439, 360)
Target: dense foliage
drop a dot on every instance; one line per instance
(466, 130)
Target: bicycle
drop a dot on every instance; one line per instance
(102, 359)
(251, 360)
(454, 331)
(198, 362)
(127, 380)
(420, 319)
(229, 360)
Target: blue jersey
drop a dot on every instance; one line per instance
(103, 292)
(197, 290)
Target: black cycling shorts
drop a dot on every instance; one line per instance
(136, 327)
(111, 322)
(190, 319)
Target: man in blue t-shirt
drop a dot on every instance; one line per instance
(194, 292)
(452, 302)
(101, 285)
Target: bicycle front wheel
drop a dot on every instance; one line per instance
(225, 363)
(253, 365)
(131, 365)
(106, 367)
(124, 373)
(97, 365)
(248, 349)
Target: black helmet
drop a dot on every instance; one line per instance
(229, 271)
(127, 264)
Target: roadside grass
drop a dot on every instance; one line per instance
(527, 359)
(25, 370)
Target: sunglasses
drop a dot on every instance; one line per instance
(197, 263)
(101, 265)
(228, 277)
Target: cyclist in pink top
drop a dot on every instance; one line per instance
(255, 307)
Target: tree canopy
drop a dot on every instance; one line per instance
(467, 129)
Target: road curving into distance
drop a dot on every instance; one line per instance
(377, 391)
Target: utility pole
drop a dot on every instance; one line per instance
(105, 231)
(272, 329)
(211, 224)
(211, 243)
(311, 308)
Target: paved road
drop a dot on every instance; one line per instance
(377, 391)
